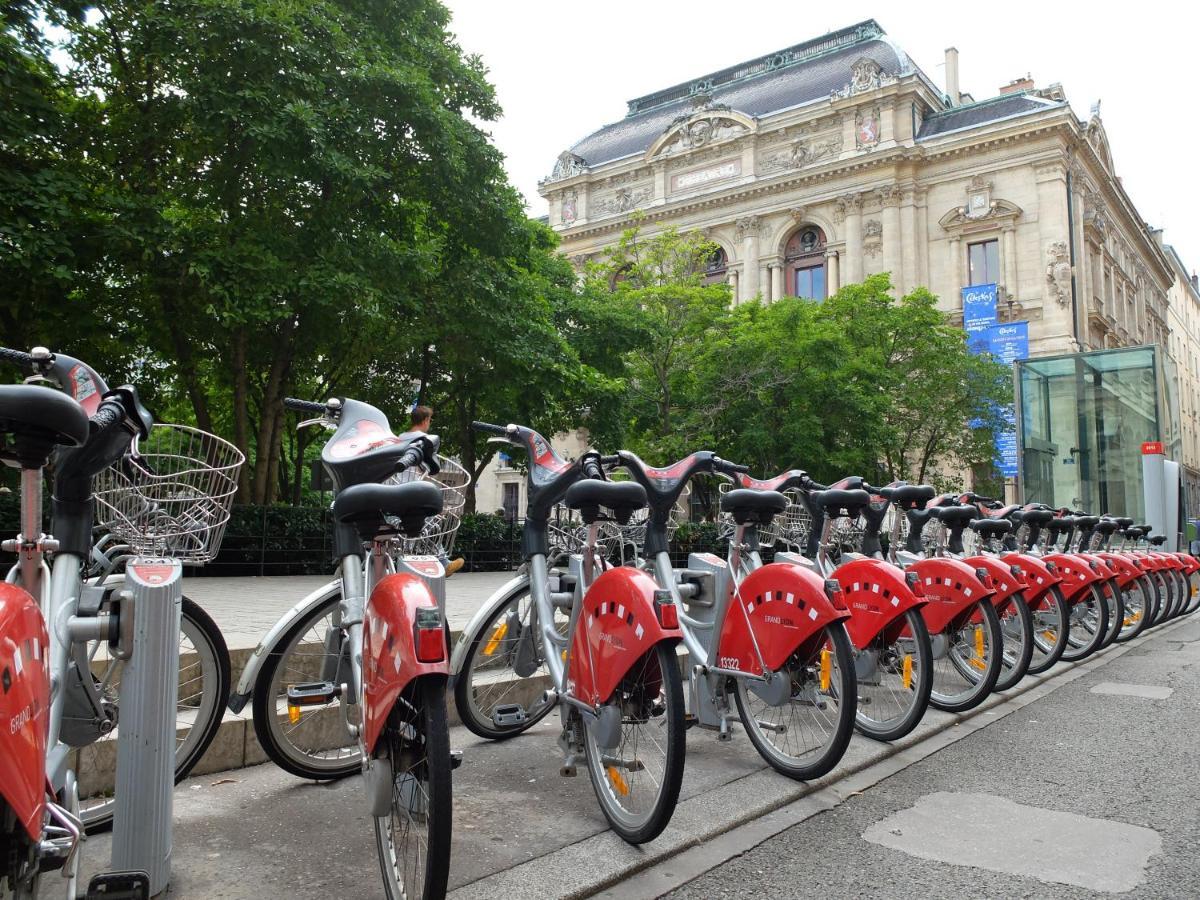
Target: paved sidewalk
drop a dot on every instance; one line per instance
(520, 830)
(245, 608)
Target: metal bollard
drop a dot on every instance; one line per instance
(146, 735)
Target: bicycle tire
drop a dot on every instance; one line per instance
(501, 644)
(979, 615)
(280, 746)
(1089, 626)
(1135, 619)
(922, 672)
(421, 710)
(1017, 621)
(1051, 610)
(843, 689)
(212, 656)
(1181, 593)
(1193, 594)
(645, 681)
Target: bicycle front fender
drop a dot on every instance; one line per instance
(951, 587)
(617, 626)
(503, 595)
(24, 707)
(776, 609)
(390, 648)
(245, 686)
(877, 595)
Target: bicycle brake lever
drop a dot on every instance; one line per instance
(320, 420)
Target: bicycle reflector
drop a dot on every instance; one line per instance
(430, 637)
(833, 590)
(986, 577)
(666, 609)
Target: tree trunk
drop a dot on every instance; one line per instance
(466, 440)
(298, 468)
(185, 361)
(270, 414)
(241, 411)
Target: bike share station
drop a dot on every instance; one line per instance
(1101, 431)
(146, 751)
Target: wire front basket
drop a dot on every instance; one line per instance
(170, 496)
(437, 536)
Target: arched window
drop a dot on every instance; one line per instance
(804, 263)
(715, 267)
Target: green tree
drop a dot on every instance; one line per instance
(656, 288)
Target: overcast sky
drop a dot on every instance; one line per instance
(563, 69)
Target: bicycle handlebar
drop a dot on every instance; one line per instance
(304, 405)
(724, 465)
(17, 357)
(110, 413)
(489, 428)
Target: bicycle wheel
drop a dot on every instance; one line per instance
(1193, 594)
(316, 744)
(894, 680)
(1051, 623)
(1135, 598)
(805, 734)
(637, 780)
(203, 692)
(1116, 610)
(1156, 598)
(413, 840)
(1182, 592)
(1016, 627)
(967, 656)
(500, 690)
(1089, 625)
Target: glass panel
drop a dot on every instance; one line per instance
(984, 259)
(810, 283)
(1083, 420)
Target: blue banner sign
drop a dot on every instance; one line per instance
(979, 307)
(1006, 343)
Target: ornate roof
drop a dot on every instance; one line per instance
(809, 71)
(973, 114)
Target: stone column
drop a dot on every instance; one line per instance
(889, 197)
(777, 290)
(956, 266)
(1009, 236)
(887, 126)
(908, 243)
(922, 237)
(850, 209)
(764, 281)
(747, 231)
(660, 182)
(732, 277)
(832, 274)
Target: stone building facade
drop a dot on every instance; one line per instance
(1183, 348)
(838, 158)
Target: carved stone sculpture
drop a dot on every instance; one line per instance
(1058, 272)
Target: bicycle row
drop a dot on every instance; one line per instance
(871, 611)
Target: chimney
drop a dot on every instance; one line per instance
(1195, 281)
(952, 76)
(1018, 84)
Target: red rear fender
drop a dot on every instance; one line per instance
(776, 608)
(24, 706)
(1004, 582)
(876, 594)
(1038, 577)
(1126, 572)
(951, 587)
(1076, 574)
(618, 625)
(390, 647)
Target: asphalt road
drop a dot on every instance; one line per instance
(1110, 759)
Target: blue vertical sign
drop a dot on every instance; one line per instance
(979, 307)
(1006, 343)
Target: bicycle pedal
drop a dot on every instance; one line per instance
(313, 693)
(119, 886)
(456, 758)
(509, 714)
